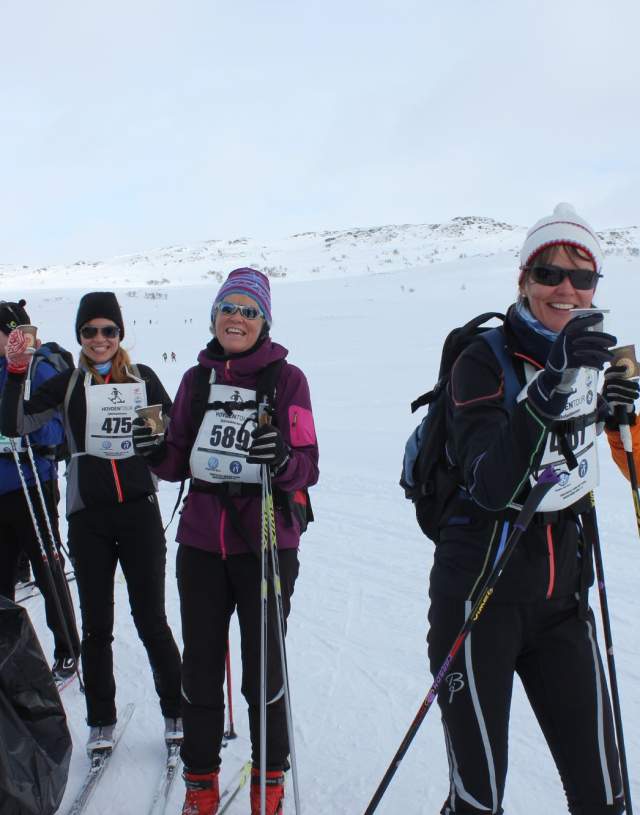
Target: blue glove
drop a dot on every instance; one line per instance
(575, 347)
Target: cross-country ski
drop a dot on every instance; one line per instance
(100, 760)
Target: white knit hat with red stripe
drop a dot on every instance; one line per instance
(564, 226)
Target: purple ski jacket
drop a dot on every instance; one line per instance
(204, 522)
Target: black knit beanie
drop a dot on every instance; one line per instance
(12, 315)
(99, 304)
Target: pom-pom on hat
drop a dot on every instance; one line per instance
(99, 304)
(564, 226)
(12, 315)
(247, 281)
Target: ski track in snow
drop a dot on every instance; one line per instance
(357, 632)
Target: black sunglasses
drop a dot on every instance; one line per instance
(88, 332)
(549, 275)
(248, 312)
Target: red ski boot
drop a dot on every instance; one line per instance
(203, 793)
(274, 792)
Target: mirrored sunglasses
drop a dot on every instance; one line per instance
(110, 332)
(549, 275)
(248, 312)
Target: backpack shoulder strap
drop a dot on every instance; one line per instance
(496, 340)
(70, 386)
(267, 383)
(200, 395)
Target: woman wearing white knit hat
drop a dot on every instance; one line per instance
(520, 403)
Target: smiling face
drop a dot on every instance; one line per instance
(233, 331)
(552, 305)
(99, 348)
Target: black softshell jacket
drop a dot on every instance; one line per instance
(497, 447)
(91, 481)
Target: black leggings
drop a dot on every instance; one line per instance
(211, 588)
(132, 534)
(18, 535)
(556, 656)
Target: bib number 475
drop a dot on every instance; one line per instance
(117, 424)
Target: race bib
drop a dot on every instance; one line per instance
(220, 451)
(584, 478)
(110, 412)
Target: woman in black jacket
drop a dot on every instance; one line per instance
(538, 623)
(112, 507)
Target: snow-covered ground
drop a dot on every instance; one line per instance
(369, 343)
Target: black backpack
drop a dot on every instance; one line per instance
(430, 477)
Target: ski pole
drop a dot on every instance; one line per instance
(53, 549)
(45, 559)
(264, 596)
(627, 442)
(545, 482)
(275, 565)
(270, 546)
(591, 527)
(230, 733)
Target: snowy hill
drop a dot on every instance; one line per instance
(369, 343)
(308, 255)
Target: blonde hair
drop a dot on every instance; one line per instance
(120, 362)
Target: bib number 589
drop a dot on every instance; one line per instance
(227, 437)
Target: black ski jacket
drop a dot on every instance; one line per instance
(496, 447)
(91, 481)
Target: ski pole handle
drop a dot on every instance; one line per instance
(547, 479)
(264, 413)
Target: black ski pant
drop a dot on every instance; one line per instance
(17, 535)
(99, 538)
(211, 588)
(556, 656)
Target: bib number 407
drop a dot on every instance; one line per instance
(117, 424)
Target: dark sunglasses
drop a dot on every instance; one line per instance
(248, 312)
(110, 332)
(549, 275)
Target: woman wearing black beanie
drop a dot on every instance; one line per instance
(112, 508)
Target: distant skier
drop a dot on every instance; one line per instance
(173, 356)
(219, 531)
(112, 508)
(538, 623)
(164, 356)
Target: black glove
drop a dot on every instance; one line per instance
(268, 447)
(145, 443)
(575, 347)
(620, 394)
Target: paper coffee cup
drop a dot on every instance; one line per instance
(30, 332)
(152, 415)
(625, 356)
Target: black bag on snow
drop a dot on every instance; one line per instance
(429, 476)
(35, 745)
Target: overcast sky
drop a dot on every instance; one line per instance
(126, 126)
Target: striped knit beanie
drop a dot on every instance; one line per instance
(564, 226)
(247, 281)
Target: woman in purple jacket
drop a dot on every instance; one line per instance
(214, 440)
